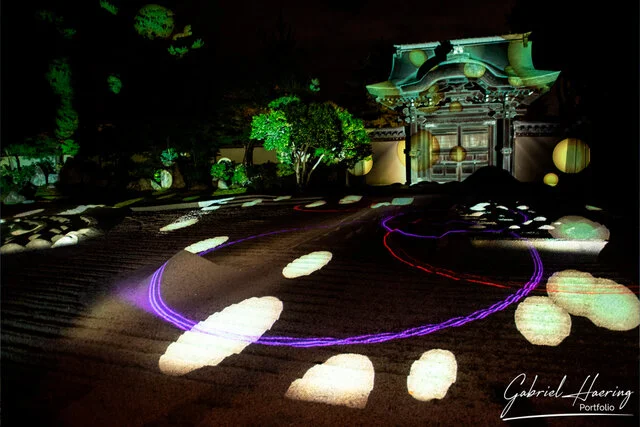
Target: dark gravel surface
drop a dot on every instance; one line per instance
(77, 350)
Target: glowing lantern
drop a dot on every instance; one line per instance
(458, 154)
(551, 179)
(473, 70)
(571, 155)
(455, 107)
(417, 57)
(363, 167)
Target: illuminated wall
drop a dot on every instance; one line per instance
(387, 168)
(533, 157)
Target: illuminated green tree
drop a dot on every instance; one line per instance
(59, 77)
(304, 135)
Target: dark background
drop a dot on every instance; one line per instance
(347, 44)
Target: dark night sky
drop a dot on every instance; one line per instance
(334, 39)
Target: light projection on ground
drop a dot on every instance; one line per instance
(128, 202)
(180, 223)
(307, 264)
(251, 203)
(170, 315)
(606, 303)
(575, 227)
(280, 198)
(206, 244)
(571, 155)
(27, 213)
(350, 199)
(542, 322)
(79, 209)
(344, 379)
(402, 201)
(316, 204)
(380, 205)
(223, 334)
(432, 375)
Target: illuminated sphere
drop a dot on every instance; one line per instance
(455, 107)
(474, 70)
(551, 179)
(458, 154)
(571, 155)
(363, 167)
(153, 21)
(428, 146)
(417, 57)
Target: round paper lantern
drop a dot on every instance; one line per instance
(455, 107)
(571, 155)
(473, 70)
(458, 154)
(417, 57)
(551, 179)
(363, 167)
(153, 21)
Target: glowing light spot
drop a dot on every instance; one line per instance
(127, 202)
(179, 224)
(362, 167)
(571, 155)
(66, 240)
(417, 57)
(514, 227)
(211, 208)
(27, 213)
(474, 70)
(551, 179)
(527, 222)
(79, 209)
(432, 375)
(606, 303)
(523, 207)
(350, 199)
(315, 204)
(574, 227)
(477, 214)
(539, 218)
(55, 230)
(379, 205)
(402, 201)
(479, 206)
(344, 379)
(277, 199)
(203, 245)
(546, 227)
(251, 203)
(307, 264)
(209, 342)
(38, 244)
(592, 208)
(502, 207)
(11, 248)
(542, 322)
(166, 196)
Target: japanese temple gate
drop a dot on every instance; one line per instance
(459, 101)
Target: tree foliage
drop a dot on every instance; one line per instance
(306, 134)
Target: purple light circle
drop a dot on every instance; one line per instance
(182, 322)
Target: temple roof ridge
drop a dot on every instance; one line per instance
(465, 41)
